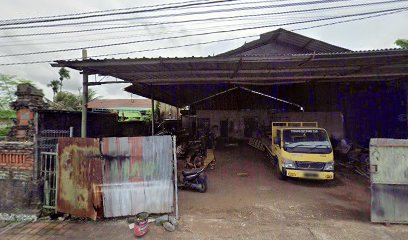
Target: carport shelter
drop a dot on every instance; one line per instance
(369, 87)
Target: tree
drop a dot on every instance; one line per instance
(92, 95)
(8, 87)
(157, 111)
(66, 101)
(55, 85)
(147, 118)
(402, 43)
(64, 74)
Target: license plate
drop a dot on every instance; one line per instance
(311, 175)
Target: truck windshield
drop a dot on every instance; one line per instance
(306, 141)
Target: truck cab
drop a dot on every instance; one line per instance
(302, 150)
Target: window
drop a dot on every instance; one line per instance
(278, 136)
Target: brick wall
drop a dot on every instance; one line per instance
(16, 160)
(18, 188)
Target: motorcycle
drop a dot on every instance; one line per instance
(196, 155)
(194, 179)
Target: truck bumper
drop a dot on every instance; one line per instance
(309, 174)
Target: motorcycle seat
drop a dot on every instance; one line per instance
(190, 172)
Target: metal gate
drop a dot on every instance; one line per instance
(48, 166)
(48, 155)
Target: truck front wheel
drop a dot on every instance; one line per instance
(281, 176)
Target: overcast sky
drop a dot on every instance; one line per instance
(373, 33)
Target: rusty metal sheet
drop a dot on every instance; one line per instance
(79, 174)
(137, 175)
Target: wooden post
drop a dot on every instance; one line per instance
(84, 96)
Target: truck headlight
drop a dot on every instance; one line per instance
(288, 163)
(329, 166)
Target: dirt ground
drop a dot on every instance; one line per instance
(256, 206)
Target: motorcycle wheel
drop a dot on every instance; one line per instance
(204, 186)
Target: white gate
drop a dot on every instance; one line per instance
(48, 155)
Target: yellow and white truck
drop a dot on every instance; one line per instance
(302, 150)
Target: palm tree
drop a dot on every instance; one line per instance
(92, 95)
(55, 85)
(64, 74)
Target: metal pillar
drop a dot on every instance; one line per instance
(84, 96)
(175, 175)
(71, 131)
(406, 104)
(152, 97)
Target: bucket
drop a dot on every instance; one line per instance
(141, 224)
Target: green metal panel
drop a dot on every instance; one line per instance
(389, 180)
(401, 203)
(382, 203)
(389, 161)
(389, 203)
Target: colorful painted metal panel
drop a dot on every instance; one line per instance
(137, 175)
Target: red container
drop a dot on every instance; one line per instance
(141, 224)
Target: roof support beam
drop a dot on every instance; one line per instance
(211, 80)
(246, 71)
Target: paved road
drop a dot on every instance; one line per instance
(257, 206)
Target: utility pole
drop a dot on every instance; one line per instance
(152, 97)
(84, 96)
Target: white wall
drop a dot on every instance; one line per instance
(331, 121)
(237, 117)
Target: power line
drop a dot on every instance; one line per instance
(99, 11)
(39, 42)
(189, 13)
(203, 43)
(200, 20)
(113, 14)
(132, 8)
(350, 20)
(139, 51)
(141, 25)
(200, 34)
(298, 29)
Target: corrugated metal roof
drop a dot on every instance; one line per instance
(181, 81)
(277, 57)
(219, 57)
(281, 36)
